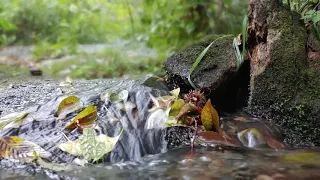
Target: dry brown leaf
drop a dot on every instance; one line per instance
(210, 118)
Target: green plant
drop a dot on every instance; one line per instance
(188, 21)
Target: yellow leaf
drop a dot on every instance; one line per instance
(89, 145)
(68, 105)
(176, 106)
(13, 120)
(13, 147)
(84, 118)
(210, 117)
(72, 147)
(175, 93)
(185, 110)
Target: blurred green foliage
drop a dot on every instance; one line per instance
(57, 27)
(168, 25)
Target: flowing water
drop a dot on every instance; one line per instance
(146, 153)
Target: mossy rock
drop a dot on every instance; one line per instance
(282, 87)
(215, 68)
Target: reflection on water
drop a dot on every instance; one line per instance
(203, 163)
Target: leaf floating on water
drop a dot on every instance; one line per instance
(72, 147)
(210, 117)
(86, 117)
(13, 147)
(50, 165)
(251, 137)
(89, 145)
(68, 105)
(176, 106)
(13, 120)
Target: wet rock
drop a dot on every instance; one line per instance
(283, 88)
(216, 67)
(216, 74)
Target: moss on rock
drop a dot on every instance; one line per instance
(215, 67)
(282, 88)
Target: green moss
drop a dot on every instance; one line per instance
(286, 91)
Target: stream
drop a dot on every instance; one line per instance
(157, 153)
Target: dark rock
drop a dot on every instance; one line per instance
(216, 74)
(282, 87)
(216, 67)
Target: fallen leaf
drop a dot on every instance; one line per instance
(72, 147)
(187, 109)
(175, 93)
(84, 118)
(210, 117)
(13, 120)
(50, 165)
(68, 105)
(13, 147)
(89, 145)
(176, 106)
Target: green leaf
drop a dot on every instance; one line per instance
(195, 64)
(176, 106)
(86, 117)
(50, 165)
(13, 147)
(199, 58)
(238, 54)
(72, 147)
(89, 145)
(68, 105)
(13, 120)
(244, 38)
(210, 117)
(175, 93)
(316, 18)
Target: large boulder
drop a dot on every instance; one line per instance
(213, 70)
(216, 74)
(282, 87)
